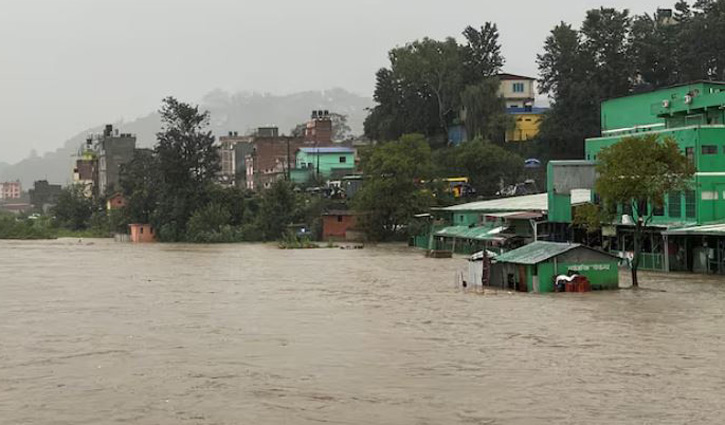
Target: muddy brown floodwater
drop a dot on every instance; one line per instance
(102, 333)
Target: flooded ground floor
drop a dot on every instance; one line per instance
(100, 333)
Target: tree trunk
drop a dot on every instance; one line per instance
(637, 253)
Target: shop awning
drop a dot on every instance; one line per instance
(705, 230)
(480, 233)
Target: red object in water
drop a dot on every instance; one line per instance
(582, 284)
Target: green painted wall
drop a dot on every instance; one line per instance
(327, 161)
(642, 109)
(602, 275)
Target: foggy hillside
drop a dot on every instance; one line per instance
(241, 112)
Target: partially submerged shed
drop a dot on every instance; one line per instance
(534, 267)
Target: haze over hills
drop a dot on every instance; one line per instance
(241, 112)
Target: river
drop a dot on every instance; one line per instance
(97, 332)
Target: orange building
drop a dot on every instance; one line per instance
(338, 225)
(142, 233)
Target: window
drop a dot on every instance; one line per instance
(709, 149)
(518, 87)
(690, 154)
(675, 205)
(658, 211)
(140, 229)
(339, 219)
(343, 159)
(690, 204)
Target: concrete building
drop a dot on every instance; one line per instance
(323, 163)
(10, 190)
(233, 151)
(114, 149)
(517, 90)
(270, 158)
(43, 195)
(85, 171)
(519, 94)
(686, 232)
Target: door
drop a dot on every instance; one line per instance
(522, 287)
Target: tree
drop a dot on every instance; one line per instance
(482, 58)
(421, 90)
(605, 50)
(188, 163)
(485, 111)
(435, 67)
(278, 208)
(489, 167)
(391, 196)
(640, 171)
(652, 43)
(74, 209)
(580, 69)
(140, 185)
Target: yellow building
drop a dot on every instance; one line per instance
(519, 93)
(527, 122)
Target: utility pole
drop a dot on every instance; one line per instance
(289, 169)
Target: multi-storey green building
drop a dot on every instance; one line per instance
(684, 235)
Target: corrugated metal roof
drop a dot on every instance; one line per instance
(481, 233)
(328, 150)
(536, 252)
(709, 229)
(538, 202)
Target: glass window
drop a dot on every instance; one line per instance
(518, 87)
(658, 211)
(690, 204)
(690, 154)
(709, 149)
(675, 205)
(343, 159)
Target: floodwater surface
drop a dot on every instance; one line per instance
(95, 332)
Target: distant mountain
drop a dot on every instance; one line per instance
(241, 112)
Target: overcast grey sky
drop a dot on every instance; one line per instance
(67, 65)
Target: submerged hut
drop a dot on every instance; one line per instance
(534, 267)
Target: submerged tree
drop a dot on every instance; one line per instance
(640, 171)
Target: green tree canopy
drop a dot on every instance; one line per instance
(188, 164)
(392, 193)
(640, 171)
(421, 90)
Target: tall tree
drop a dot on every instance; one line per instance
(188, 164)
(640, 171)
(482, 56)
(140, 185)
(488, 166)
(390, 196)
(605, 50)
(485, 111)
(566, 78)
(421, 90)
(434, 66)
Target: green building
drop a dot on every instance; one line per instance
(694, 116)
(534, 267)
(323, 163)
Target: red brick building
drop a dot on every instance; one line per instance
(319, 128)
(339, 225)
